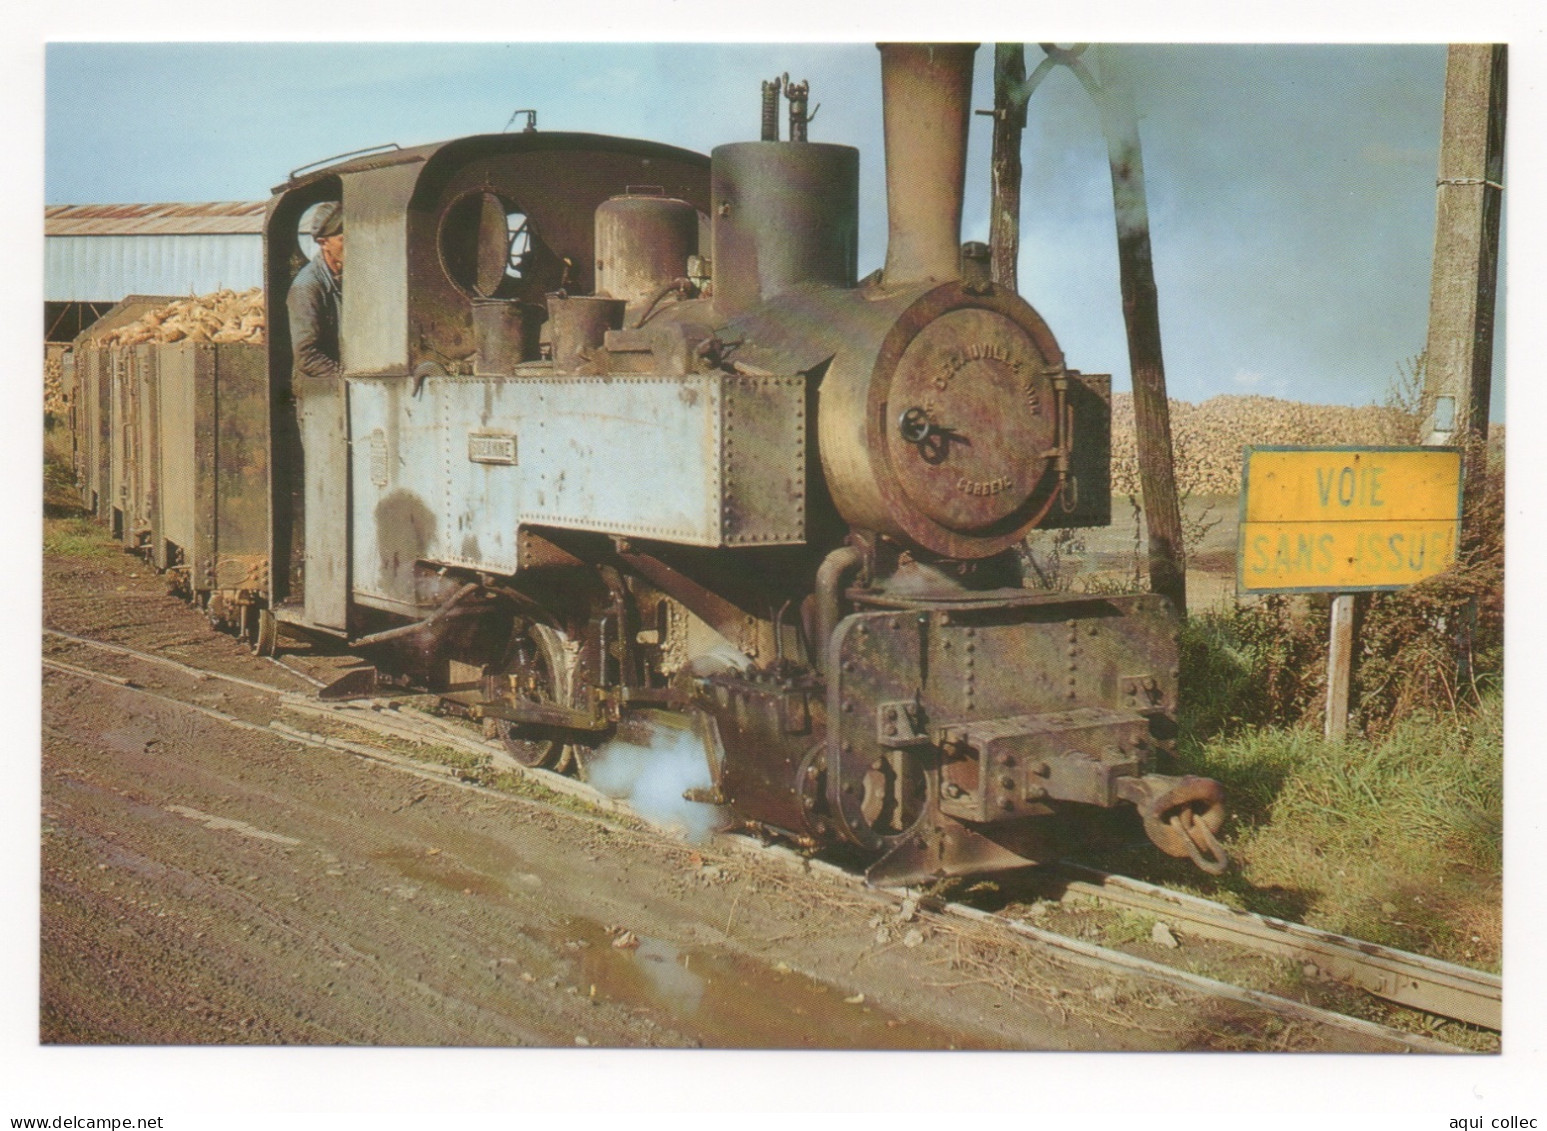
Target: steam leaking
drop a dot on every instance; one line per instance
(653, 777)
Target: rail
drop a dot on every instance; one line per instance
(326, 161)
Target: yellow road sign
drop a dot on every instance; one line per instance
(1343, 520)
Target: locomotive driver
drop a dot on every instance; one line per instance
(315, 297)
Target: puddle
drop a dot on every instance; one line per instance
(725, 1000)
(440, 872)
(729, 1001)
(672, 980)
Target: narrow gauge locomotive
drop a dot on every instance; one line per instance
(622, 442)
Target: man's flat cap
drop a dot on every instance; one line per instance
(329, 221)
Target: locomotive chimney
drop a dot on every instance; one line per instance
(926, 91)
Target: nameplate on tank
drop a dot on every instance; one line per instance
(492, 447)
(380, 464)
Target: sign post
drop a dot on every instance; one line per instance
(1340, 666)
(1343, 521)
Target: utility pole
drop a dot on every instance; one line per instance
(1141, 314)
(1458, 373)
(1004, 225)
(1459, 352)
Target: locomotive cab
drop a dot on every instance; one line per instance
(441, 240)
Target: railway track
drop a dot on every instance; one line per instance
(1413, 981)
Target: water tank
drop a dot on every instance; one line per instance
(785, 214)
(642, 244)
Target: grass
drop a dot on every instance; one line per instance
(1397, 840)
(1395, 835)
(1256, 664)
(1128, 927)
(61, 497)
(77, 537)
(68, 530)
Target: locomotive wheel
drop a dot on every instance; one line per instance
(529, 747)
(880, 803)
(895, 793)
(538, 667)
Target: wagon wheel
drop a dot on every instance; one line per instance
(538, 667)
(265, 633)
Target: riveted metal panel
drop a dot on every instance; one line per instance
(324, 428)
(763, 461)
(621, 455)
(373, 330)
(969, 665)
(705, 459)
(629, 455)
(397, 495)
(482, 498)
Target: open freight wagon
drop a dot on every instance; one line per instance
(172, 452)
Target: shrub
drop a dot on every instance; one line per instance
(1440, 644)
(1260, 664)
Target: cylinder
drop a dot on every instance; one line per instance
(642, 244)
(926, 93)
(786, 215)
(578, 324)
(505, 333)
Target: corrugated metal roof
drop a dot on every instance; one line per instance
(96, 268)
(223, 218)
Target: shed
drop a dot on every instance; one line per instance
(95, 254)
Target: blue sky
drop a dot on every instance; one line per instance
(1291, 187)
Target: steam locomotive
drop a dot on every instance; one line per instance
(622, 444)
